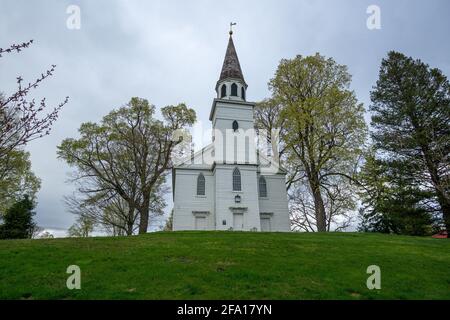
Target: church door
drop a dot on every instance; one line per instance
(200, 223)
(238, 221)
(265, 224)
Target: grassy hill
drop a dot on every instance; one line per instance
(227, 265)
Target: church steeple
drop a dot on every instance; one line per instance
(231, 84)
(231, 67)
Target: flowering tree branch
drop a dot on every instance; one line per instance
(23, 120)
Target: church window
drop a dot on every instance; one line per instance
(262, 187)
(243, 93)
(201, 185)
(234, 90)
(235, 125)
(236, 180)
(223, 91)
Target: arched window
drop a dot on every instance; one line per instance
(235, 125)
(243, 93)
(223, 90)
(262, 187)
(234, 90)
(201, 185)
(236, 180)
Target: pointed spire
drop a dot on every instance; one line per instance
(231, 67)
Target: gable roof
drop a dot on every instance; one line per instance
(192, 162)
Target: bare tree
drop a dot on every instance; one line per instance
(107, 209)
(339, 203)
(36, 231)
(21, 119)
(46, 235)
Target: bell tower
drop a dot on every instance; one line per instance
(231, 115)
(235, 168)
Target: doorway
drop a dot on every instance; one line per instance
(238, 221)
(265, 225)
(200, 223)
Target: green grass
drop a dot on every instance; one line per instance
(227, 265)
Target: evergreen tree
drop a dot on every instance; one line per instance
(18, 220)
(392, 204)
(411, 122)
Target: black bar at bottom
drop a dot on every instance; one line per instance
(226, 309)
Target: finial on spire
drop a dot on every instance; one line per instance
(231, 27)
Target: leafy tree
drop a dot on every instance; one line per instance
(411, 121)
(18, 220)
(81, 228)
(16, 179)
(169, 223)
(323, 130)
(128, 153)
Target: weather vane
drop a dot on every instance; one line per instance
(231, 27)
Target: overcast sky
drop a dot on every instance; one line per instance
(172, 51)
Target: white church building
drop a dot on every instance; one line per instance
(230, 184)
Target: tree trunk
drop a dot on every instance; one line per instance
(442, 197)
(129, 230)
(129, 220)
(318, 203)
(445, 207)
(143, 214)
(143, 223)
